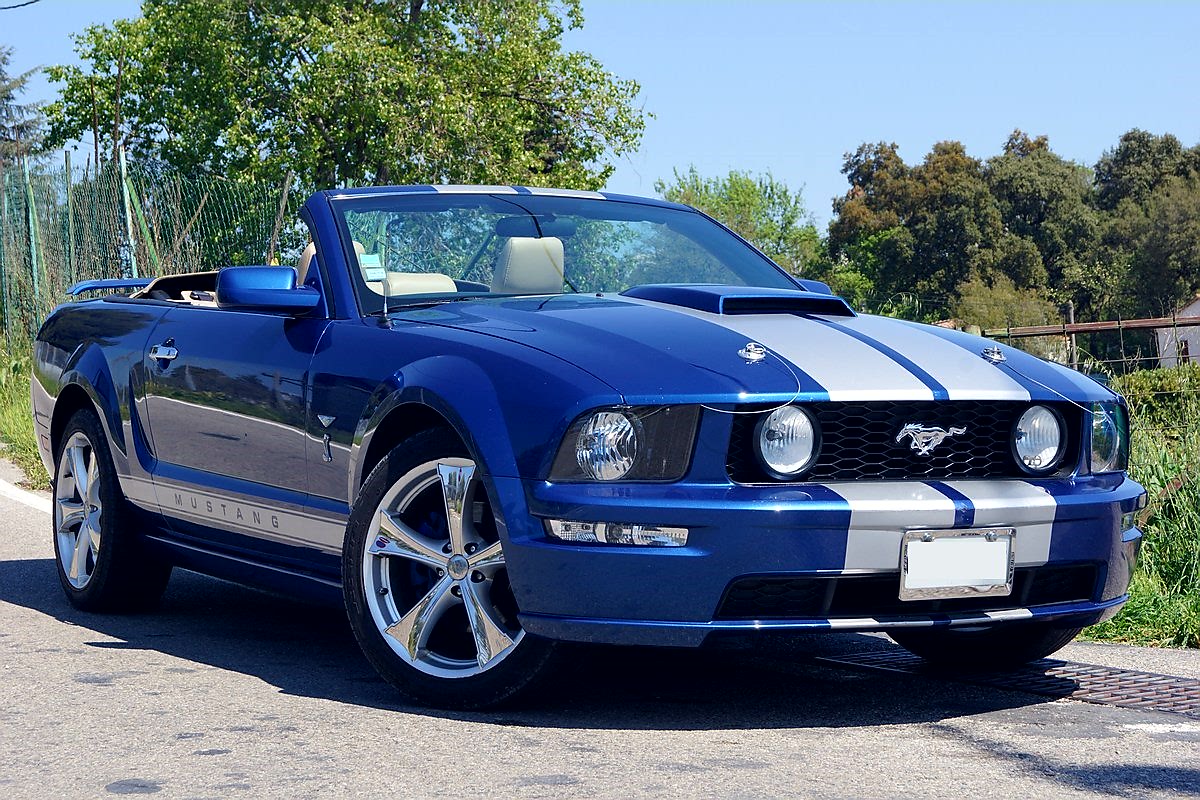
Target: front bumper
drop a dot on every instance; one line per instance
(674, 596)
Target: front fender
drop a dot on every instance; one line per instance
(429, 383)
(486, 414)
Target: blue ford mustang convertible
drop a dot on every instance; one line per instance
(492, 419)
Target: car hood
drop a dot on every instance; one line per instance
(692, 345)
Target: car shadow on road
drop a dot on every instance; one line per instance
(308, 650)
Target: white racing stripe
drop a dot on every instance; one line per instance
(881, 512)
(470, 189)
(538, 190)
(870, 623)
(853, 622)
(849, 370)
(966, 375)
(1012, 613)
(1028, 508)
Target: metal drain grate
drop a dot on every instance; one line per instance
(1052, 678)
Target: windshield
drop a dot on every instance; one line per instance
(413, 246)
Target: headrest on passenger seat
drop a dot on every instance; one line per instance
(529, 265)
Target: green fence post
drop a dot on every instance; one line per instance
(69, 261)
(35, 239)
(133, 270)
(3, 239)
(131, 196)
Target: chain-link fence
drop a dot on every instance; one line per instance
(60, 225)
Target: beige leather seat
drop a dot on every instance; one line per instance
(415, 283)
(529, 265)
(305, 262)
(403, 282)
(397, 282)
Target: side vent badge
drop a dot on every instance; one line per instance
(326, 421)
(753, 352)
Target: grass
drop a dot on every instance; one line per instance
(1164, 598)
(16, 425)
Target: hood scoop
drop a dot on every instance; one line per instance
(731, 300)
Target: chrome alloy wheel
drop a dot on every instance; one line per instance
(433, 572)
(78, 510)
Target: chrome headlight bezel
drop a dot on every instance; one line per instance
(773, 418)
(665, 438)
(1111, 421)
(1060, 452)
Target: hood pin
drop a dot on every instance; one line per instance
(753, 352)
(993, 355)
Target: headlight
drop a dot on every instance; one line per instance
(641, 443)
(1038, 440)
(606, 445)
(786, 440)
(1110, 435)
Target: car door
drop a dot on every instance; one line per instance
(226, 404)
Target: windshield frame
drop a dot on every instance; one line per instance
(732, 252)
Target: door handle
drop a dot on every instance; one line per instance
(165, 351)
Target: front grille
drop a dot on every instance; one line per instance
(858, 441)
(784, 597)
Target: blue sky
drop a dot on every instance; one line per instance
(790, 87)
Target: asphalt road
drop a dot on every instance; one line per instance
(227, 692)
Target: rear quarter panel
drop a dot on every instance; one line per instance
(96, 346)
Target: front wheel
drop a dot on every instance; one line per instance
(1000, 646)
(426, 584)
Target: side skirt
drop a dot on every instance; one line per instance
(239, 568)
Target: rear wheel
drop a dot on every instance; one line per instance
(426, 584)
(102, 564)
(1000, 646)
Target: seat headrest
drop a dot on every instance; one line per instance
(305, 262)
(529, 265)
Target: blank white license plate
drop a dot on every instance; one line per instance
(976, 562)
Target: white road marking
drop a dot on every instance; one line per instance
(34, 501)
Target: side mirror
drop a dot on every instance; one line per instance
(264, 289)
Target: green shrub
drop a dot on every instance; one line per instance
(1162, 399)
(1164, 604)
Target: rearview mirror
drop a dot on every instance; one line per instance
(264, 289)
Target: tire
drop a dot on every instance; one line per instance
(1002, 646)
(103, 565)
(429, 601)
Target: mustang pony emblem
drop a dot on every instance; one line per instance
(925, 439)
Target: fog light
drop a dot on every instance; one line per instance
(617, 533)
(1038, 440)
(1128, 521)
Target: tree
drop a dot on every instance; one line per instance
(916, 231)
(1050, 227)
(1159, 241)
(761, 209)
(20, 123)
(349, 92)
(1003, 304)
(1140, 162)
